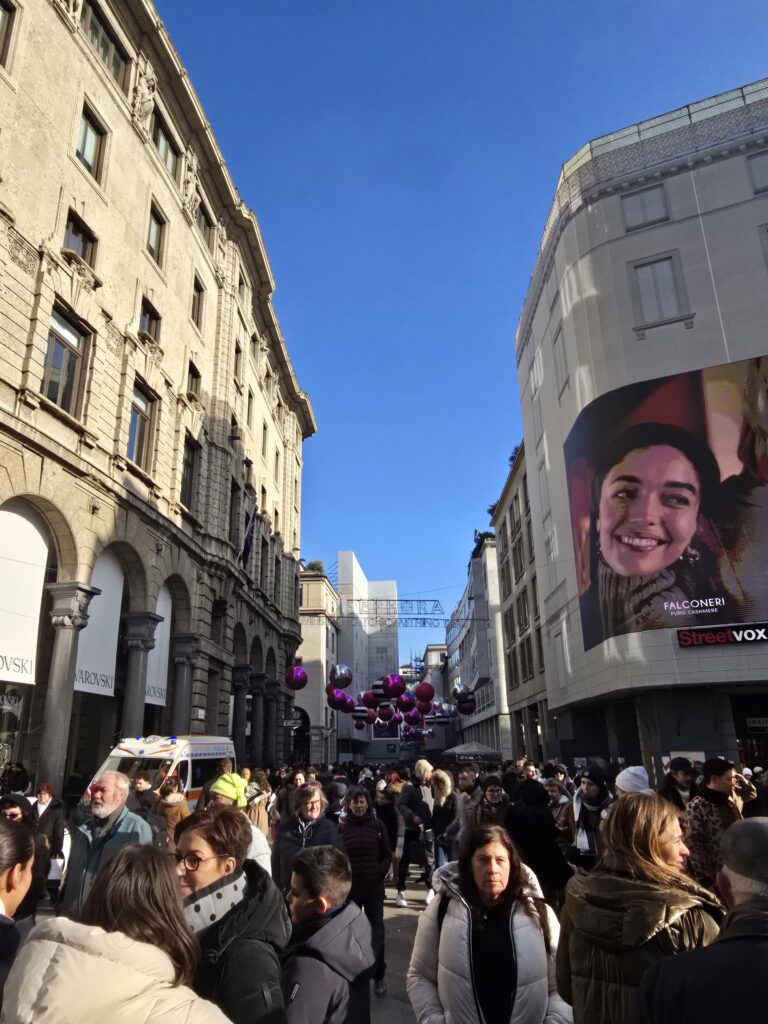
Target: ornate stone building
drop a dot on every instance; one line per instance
(151, 424)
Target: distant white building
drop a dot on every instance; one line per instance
(315, 736)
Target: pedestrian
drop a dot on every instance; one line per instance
(307, 826)
(445, 816)
(49, 814)
(590, 802)
(679, 785)
(388, 792)
(229, 791)
(725, 981)
(129, 960)
(283, 806)
(336, 793)
(110, 827)
(415, 805)
(717, 806)
(492, 807)
(17, 852)
(632, 780)
(366, 844)
(141, 800)
(224, 767)
(559, 800)
(328, 962)
(17, 808)
(259, 796)
(561, 775)
(237, 914)
(484, 949)
(172, 806)
(635, 907)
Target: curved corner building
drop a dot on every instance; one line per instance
(642, 355)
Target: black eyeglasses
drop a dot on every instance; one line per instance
(192, 862)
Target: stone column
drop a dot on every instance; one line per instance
(241, 677)
(139, 639)
(257, 719)
(69, 615)
(271, 745)
(184, 651)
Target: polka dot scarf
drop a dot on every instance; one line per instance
(207, 906)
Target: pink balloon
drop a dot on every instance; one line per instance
(425, 691)
(371, 716)
(394, 685)
(369, 700)
(297, 677)
(386, 712)
(424, 706)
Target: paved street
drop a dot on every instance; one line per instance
(400, 925)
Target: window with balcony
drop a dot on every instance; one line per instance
(646, 206)
(140, 430)
(80, 239)
(193, 380)
(104, 41)
(90, 143)
(64, 363)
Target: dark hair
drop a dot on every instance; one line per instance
(470, 767)
(24, 806)
(479, 837)
(226, 830)
(649, 435)
(226, 765)
(170, 785)
(355, 791)
(713, 766)
(324, 871)
(17, 843)
(532, 794)
(136, 893)
(144, 776)
(489, 780)
(291, 780)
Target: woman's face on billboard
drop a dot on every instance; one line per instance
(649, 506)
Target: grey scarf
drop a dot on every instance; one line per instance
(209, 905)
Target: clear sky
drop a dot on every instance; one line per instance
(401, 157)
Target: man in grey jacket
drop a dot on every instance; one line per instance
(110, 827)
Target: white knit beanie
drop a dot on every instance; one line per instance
(633, 780)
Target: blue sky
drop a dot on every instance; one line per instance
(401, 156)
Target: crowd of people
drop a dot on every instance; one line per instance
(547, 899)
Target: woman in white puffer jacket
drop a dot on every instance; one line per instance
(485, 947)
(125, 962)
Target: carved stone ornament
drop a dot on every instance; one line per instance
(220, 254)
(191, 183)
(140, 630)
(70, 604)
(71, 9)
(144, 90)
(21, 252)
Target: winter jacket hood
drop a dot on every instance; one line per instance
(343, 943)
(617, 913)
(260, 915)
(70, 973)
(171, 800)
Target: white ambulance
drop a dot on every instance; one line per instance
(194, 759)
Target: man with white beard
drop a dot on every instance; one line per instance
(110, 827)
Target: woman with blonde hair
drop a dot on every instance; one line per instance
(307, 826)
(633, 908)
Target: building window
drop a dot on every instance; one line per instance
(535, 597)
(551, 287)
(156, 235)
(264, 440)
(198, 294)
(140, 432)
(278, 582)
(506, 581)
(658, 292)
(80, 239)
(277, 466)
(90, 143)
(263, 499)
(539, 649)
(238, 361)
(758, 166)
(561, 363)
(523, 619)
(276, 521)
(63, 363)
(538, 425)
(204, 223)
(647, 206)
(512, 673)
(529, 533)
(526, 502)
(234, 512)
(149, 321)
(249, 410)
(514, 513)
(241, 287)
(161, 136)
(526, 659)
(104, 42)
(544, 490)
(264, 565)
(7, 15)
(517, 558)
(193, 380)
(189, 473)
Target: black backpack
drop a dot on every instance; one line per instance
(158, 827)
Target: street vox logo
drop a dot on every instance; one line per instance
(758, 633)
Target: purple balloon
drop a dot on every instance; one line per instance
(406, 701)
(397, 718)
(297, 677)
(413, 717)
(394, 685)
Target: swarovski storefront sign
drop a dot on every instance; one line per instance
(97, 648)
(157, 662)
(23, 558)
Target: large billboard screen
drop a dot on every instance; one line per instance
(668, 491)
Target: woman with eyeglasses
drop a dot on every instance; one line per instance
(128, 960)
(307, 826)
(18, 808)
(236, 912)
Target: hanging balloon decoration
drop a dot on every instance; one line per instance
(468, 705)
(424, 707)
(397, 718)
(343, 676)
(386, 712)
(394, 685)
(360, 725)
(424, 691)
(349, 704)
(369, 700)
(413, 717)
(371, 717)
(406, 702)
(297, 677)
(360, 714)
(329, 688)
(377, 689)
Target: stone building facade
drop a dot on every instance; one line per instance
(151, 424)
(315, 737)
(653, 265)
(532, 726)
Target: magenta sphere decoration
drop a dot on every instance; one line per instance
(394, 685)
(337, 699)
(360, 725)
(413, 717)
(349, 704)
(369, 700)
(297, 677)
(406, 701)
(386, 712)
(424, 706)
(467, 706)
(342, 676)
(397, 718)
(329, 688)
(371, 716)
(424, 691)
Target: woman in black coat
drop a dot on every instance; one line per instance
(307, 826)
(49, 816)
(366, 843)
(532, 829)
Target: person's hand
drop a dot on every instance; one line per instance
(416, 821)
